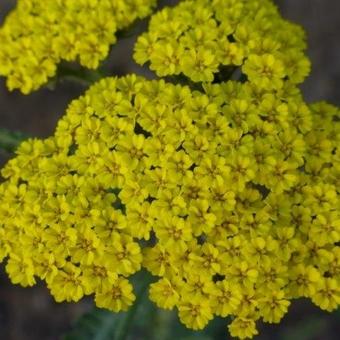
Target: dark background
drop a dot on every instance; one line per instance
(31, 314)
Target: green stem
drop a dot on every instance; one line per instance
(81, 75)
(10, 140)
(123, 332)
(162, 327)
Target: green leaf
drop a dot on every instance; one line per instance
(101, 324)
(10, 140)
(98, 324)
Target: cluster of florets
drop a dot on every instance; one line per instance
(37, 35)
(227, 195)
(207, 39)
(227, 192)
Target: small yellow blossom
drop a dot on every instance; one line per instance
(165, 293)
(243, 328)
(195, 312)
(116, 296)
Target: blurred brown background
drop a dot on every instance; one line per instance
(30, 314)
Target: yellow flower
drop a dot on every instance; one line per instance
(35, 39)
(205, 40)
(173, 231)
(199, 217)
(243, 328)
(199, 65)
(20, 270)
(116, 296)
(327, 296)
(166, 60)
(207, 260)
(265, 71)
(165, 293)
(139, 219)
(326, 228)
(305, 281)
(195, 312)
(158, 260)
(96, 276)
(274, 307)
(216, 191)
(228, 297)
(125, 256)
(242, 273)
(67, 284)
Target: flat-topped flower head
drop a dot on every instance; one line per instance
(205, 40)
(217, 193)
(37, 36)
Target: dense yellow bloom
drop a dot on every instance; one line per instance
(37, 36)
(234, 216)
(226, 191)
(209, 39)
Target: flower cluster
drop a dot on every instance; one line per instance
(207, 39)
(229, 196)
(37, 35)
